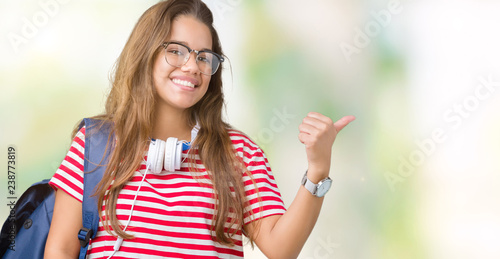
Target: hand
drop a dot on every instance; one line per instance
(317, 133)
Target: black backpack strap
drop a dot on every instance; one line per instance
(97, 150)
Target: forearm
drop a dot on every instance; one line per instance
(292, 229)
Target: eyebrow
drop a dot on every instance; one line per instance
(185, 43)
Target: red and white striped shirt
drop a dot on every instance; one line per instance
(173, 213)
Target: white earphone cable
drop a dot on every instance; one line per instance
(119, 240)
(189, 149)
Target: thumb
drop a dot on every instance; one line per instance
(340, 124)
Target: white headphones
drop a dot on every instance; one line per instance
(167, 154)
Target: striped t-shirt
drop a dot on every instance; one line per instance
(173, 213)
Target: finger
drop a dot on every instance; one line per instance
(307, 129)
(305, 138)
(320, 117)
(340, 124)
(317, 123)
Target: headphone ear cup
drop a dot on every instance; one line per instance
(155, 155)
(178, 155)
(169, 161)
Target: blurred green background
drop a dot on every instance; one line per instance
(415, 176)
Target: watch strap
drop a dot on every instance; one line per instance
(313, 187)
(309, 185)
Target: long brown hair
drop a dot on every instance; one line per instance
(130, 109)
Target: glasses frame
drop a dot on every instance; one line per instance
(197, 52)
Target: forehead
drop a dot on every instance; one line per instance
(192, 32)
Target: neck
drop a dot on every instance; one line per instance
(170, 122)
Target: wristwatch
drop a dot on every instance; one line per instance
(319, 189)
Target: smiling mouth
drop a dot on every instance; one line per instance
(184, 83)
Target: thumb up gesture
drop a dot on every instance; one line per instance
(317, 133)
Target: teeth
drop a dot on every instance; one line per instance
(182, 82)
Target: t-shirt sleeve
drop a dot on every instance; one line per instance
(262, 191)
(69, 175)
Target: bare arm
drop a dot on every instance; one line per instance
(62, 241)
(284, 236)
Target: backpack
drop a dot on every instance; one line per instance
(25, 231)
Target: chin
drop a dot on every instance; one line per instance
(185, 105)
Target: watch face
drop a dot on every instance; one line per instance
(323, 187)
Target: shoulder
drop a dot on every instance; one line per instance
(95, 125)
(94, 128)
(245, 147)
(79, 139)
(239, 138)
(81, 131)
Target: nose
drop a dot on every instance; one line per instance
(191, 65)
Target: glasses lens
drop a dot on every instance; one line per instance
(207, 62)
(176, 54)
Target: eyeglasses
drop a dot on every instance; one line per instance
(178, 54)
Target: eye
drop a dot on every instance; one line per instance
(204, 59)
(175, 52)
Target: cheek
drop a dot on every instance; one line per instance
(161, 69)
(206, 80)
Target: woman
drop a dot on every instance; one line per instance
(168, 84)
